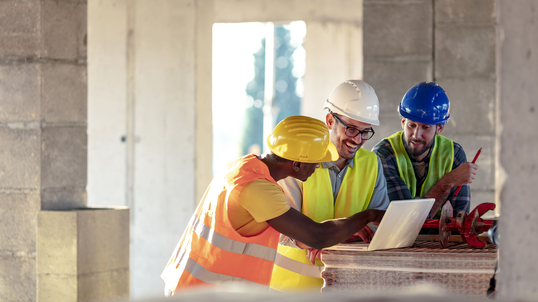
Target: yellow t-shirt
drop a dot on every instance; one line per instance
(259, 201)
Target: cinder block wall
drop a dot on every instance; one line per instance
(451, 42)
(464, 65)
(42, 128)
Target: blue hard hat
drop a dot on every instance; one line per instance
(426, 103)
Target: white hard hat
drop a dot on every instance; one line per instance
(355, 99)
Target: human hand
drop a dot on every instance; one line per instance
(365, 234)
(376, 216)
(464, 174)
(312, 254)
(301, 245)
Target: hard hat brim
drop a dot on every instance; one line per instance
(419, 119)
(333, 108)
(331, 154)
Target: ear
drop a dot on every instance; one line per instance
(440, 129)
(402, 122)
(329, 120)
(296, 166)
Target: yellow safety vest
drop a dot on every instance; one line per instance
(292, 270)
(441, 161)
(211, 252)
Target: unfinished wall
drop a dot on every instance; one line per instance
(451, 42)
(465, 67)
(143, 124)
(42, 128)
(518, 142)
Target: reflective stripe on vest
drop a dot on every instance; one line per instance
(299, 267)
(210, 251)
(354, 196)
(232, 246)
(441, 162)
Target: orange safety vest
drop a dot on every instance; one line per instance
(211, 252)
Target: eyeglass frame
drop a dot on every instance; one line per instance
(371, 130)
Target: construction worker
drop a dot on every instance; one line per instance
(340, 187)
(419, 161)
(232, 237)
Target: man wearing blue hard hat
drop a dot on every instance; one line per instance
(419, 161)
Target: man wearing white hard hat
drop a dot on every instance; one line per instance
(351, 184)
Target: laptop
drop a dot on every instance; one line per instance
(398, 228)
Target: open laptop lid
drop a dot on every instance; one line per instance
(399, 227)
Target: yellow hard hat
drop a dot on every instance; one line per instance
(302, 139)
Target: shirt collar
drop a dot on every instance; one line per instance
(331, 164)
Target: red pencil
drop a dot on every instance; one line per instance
(474, 161)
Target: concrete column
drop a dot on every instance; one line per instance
(398, 53)
(42, 128)
(164, 120)
(465, 68)
(518, 141)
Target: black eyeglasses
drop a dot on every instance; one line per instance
(352, 131)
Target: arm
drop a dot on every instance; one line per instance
(327, 233)
(293, 191)
(462, 173)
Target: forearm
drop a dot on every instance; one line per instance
(440, 191)
(327, 233)
(335, 231)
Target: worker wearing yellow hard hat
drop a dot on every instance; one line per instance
(232, 237)
(341, 187)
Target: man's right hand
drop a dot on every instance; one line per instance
(464, 174)
(376, 216)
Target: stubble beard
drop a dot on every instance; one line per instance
(416, 153)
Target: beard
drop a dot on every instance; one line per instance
(417, 152)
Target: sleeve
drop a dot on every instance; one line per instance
(380, 199)
(461, 202)
(293, 190)
(263, 200)
(396, 187)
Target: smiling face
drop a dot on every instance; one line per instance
(346, 146)
(419, 138)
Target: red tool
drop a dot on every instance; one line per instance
(468, 225)
(474, 161)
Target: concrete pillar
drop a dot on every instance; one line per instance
(43, 120)
(42, 128)
(465, 68)
(398, 53)
(164, 90)
(518, 141)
